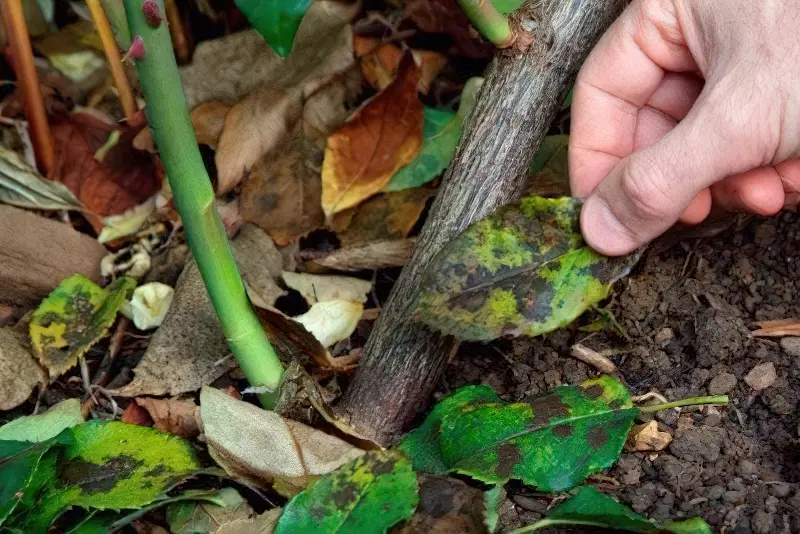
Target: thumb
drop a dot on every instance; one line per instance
(646, 192)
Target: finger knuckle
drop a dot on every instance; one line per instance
(644, 185)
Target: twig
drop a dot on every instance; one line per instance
(113, 57)
(178, 34)
(595, 359)
(28, 79)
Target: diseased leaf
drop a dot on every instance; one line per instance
(552, 442)
(383, 136)
(384, 217)
(442, 131)
(591, 508)
(21, 185)
(524, 270)
(74, 317)
(365, 496)
(276, 20)
(110, 466)
(263, 447)
(36, 428)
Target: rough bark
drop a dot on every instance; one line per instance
(403, 360)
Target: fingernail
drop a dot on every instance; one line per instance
(603, 231)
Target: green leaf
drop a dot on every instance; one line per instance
(365, 496)
(276, 20)
(72, 318)
(65, 414)
(111, 466)
(591, 508)
(21, 185)
(422, 444)
(492, 499)
(441, 133)
(552, 442)
(524, 270)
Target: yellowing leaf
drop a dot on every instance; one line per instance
(261, 446)
(332, 321)
(383, 136)
(76, 315)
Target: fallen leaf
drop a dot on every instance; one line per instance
(75, 50)
(19, 371)
(332, 321)
(648, 437)
(128, 223)
(176, 416)
(549, 172)
(553, 442)
(259, 261)
(386, 217)
(263, 447)
(276, 20)
(207, 120)
(228, 68)
(262, 120)
(321, 288)
(524, 270)
(21, 185)
(378, 255)
(446, 505)
(493, 498)
(382, 137)
(232, 514)
(369, 494)
(379, 62)
(445, 16)
(42, 427)
(149, 305)
(442, 132)
(76, 315)
(123, 180)
(590, 508)
(261, 524)
(136, 415)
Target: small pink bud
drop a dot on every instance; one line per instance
(152, 13)
(136, 51)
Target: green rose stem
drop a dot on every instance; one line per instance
(194, 198)
(490, 22)
(718, 400)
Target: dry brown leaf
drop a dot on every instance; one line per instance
(176, 416)
(382, 137)
(228, 68)
(19, 372)
(445, 16)
(123, 180)
(386, 217)
(261, 446)
(207, 120)
(379, 62)
(377, 255)
(136, 415)
(258, 123)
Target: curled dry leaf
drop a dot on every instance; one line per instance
(262, 120)
(149, 305)
(123, 180)
(176, 416)
(382, 137)
(128, 223)
(332, 321)
(321, 288)
(265, 448)
(379, 62)
(386, 217)
(377, 255)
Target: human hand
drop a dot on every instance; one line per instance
(681, 104)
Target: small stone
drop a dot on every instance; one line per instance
(686, 506)
(794, 502)
(771, 504)
(733, 497)
(722, 384)
(715, 493)
(663, 337)
(781, 490)
(630, 469)
(552, 377)
(762, 522)
(746, 468)
(791, 346)
(650, 438)
(761, 376)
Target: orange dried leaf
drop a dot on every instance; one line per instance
(121, 181)
(382, 137)
(379, 63)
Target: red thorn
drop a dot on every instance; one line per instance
(152, 13)
(136, 51)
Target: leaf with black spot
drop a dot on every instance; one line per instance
(365, 496)
(590, 508)
(113, 466)
(525, 270)
(75, 316)
(552, 442)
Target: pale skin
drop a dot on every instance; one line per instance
(684, 105)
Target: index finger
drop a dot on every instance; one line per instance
(620, 77)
